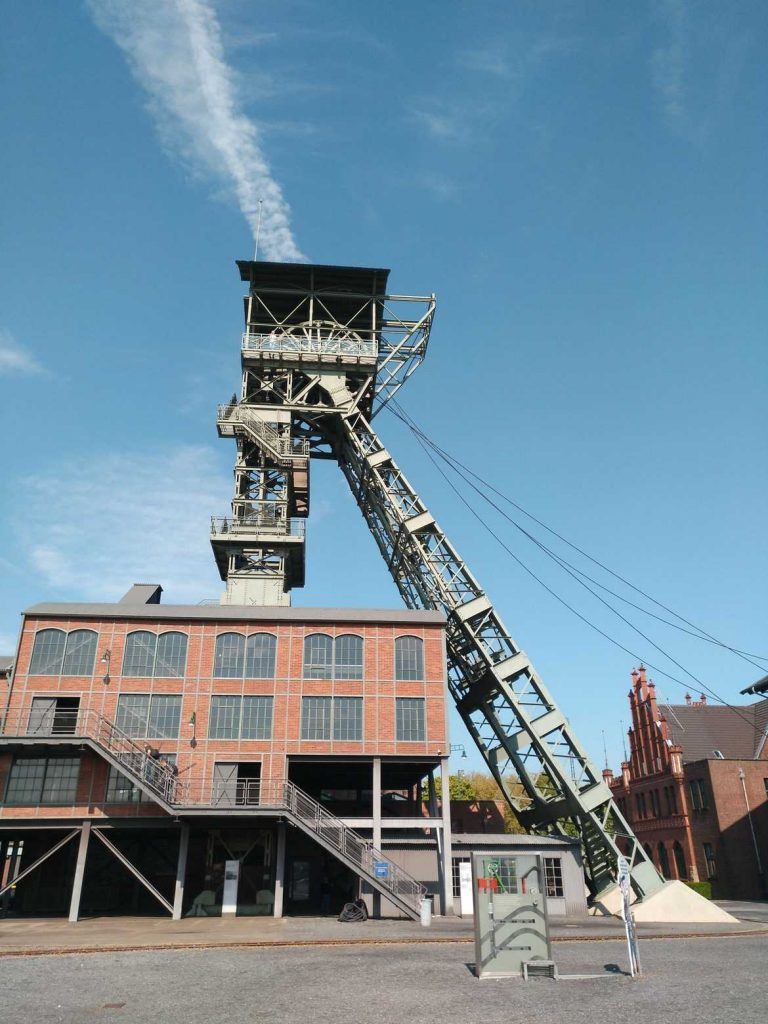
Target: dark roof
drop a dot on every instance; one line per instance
(143, 593)
(507, 839)
(235, 612)
(761, 686)
(701, 729)
(318, 277)
(6, 662)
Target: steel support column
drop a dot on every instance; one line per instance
(445, 803)
(377, 824)
(181, 871)
(77, 885)
(279, 870)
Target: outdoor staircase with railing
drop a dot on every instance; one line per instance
(282, 448)
(159, 780)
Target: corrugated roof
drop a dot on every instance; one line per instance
(235, 612)
(702, 729)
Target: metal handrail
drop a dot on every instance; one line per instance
(281, 794)
(221, 525)
(134, 758)
(281, 445)
(302, 344)
(276, 794)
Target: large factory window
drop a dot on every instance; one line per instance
(141, 715)
(409, 658)
(260, 656)
(410, 719)
(326, 658)
(58, 653)
(43, 780)
(248, 718)
(237, 656)
(338, 718)
(228, 659)
(147, 655)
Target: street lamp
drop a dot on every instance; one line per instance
(456, 747)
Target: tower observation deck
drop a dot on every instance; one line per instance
(323, 350)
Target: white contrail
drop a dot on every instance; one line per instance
(175, 51)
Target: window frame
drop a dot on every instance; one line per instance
(416, 702)
(245, 659)
(336, 666)
(150, 717)
(238, 701)
(59, 666)
(553, 878)
(330, 722)
(406, 676)
(38, 798)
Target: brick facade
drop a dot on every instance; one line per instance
(195, 752)
(689, 811)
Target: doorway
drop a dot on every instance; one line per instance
(236, 783)
(53, 716)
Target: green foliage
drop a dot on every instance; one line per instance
(480, 786)
(702, 888)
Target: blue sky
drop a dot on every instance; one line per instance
(582, 185)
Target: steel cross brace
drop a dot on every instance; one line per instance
(529, 747)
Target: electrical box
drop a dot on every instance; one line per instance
(511, 926)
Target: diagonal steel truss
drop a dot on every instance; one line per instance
(528, 744)
(332, 374)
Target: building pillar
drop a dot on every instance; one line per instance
(181, 871)
(445, 787)
(77, 885)
(277, 907)
(376, 825)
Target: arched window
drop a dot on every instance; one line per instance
(318, 656)
(48, 652)
(171, 659)
(228, 660)
(348, 657)
(260, 656)
(664, 861)
(80, 653)
(139, 656)
(682, 867)
(409, 658)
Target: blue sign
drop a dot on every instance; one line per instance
(381, 869)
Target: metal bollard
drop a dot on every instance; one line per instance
(426, 911)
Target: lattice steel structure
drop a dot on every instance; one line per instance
(324, 349)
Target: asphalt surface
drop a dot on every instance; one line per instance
(685, 980)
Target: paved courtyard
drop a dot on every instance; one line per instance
(685, 980)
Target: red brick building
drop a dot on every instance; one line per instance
(185, 738)
(695, 789)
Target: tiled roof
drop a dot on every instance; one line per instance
(701, 729)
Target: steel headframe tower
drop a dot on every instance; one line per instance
(324, 349)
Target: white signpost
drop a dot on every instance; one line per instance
(626, 912)
(465, 888)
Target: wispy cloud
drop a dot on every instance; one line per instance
(668, 60)
(446, 127)
(14, 358)
(696, 65)
(175, 51)
(516, 59)
(93, 527)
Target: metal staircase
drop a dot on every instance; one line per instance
(250, 797)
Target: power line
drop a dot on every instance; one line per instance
(700, 634)
(422, 438)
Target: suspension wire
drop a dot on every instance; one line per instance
(570, 607)
(701, 633)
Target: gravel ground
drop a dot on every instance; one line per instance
(713, 979)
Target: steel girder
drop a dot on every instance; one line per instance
(542, 769)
